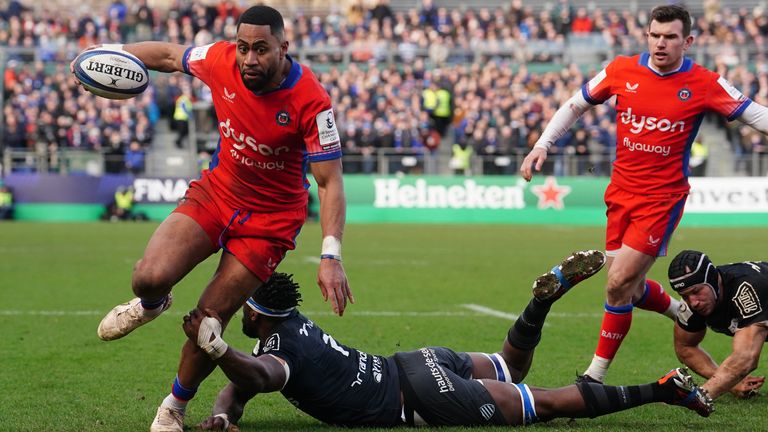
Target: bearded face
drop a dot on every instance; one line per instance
(260, 55)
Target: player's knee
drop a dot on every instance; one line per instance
(149, 280)
(546, 405)
(620, 287)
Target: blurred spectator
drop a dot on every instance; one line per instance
(114, 157)
(581, 23)
(381, 11)
(6, 202)
(142, 20)
(461, 159)
(203, 160)
(367, 146)
(581, 150)
(44, 106)
(122, 206)
(181, 113)
(699, 156)
(134, 158)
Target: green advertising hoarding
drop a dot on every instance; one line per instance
(713, 201)
(490, 199)
(545, 200)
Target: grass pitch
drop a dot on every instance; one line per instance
(415, 285)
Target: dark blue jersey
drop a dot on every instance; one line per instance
(332, 382)
(744, 302)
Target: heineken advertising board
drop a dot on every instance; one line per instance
(714, 201)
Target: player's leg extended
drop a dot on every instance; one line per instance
(521, 404)
(174, 249)
(225, 294)
(513, 362)
(651, 233)
(626, 281)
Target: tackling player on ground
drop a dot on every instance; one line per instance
(433, 386)
(661, 98)
(275, 120)
(730, 299)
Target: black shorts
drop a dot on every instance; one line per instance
(436, 383)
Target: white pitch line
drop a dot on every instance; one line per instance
(488, 311)
(377, 262)
(50, 312)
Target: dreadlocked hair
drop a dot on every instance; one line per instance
(279, 292)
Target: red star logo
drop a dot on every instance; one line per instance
(551, 194)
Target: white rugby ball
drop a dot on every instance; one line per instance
(112, 74)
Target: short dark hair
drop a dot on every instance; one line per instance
(669, 13)
(279, 292)
(264, 15)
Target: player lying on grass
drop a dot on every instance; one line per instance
(730, 299)
(433, 386)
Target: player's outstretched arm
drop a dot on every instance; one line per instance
(227, 410)
(159, 56)
(690, 352)
(331, 277)
(756, 116)
(564, 118)
(748, 387)
(252, 375)
(533, 161)
(747, 345)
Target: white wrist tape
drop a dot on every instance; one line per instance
(211, 327)
(116, 47)
(543, 145)
(331, 246)
(224, 417)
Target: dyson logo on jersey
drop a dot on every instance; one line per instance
(650, 123)
(648, 148)
(241, 141)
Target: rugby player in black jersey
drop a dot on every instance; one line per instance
(434, 386)
(730, 299)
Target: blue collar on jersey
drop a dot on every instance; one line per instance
(645, 60)
(290, 80)
(277, 313)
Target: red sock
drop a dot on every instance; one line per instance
(616, 323)
(654, 298)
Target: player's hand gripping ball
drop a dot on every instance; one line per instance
(110, 73)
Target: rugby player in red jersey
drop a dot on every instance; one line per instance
(275, 120)
(661, 98)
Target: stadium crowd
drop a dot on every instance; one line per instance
(497, 105)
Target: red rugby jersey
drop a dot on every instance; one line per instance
(658, 117)
(266, 140)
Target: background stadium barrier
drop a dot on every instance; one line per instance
(730, 201)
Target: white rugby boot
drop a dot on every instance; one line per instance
(126, 317)
(167, 420)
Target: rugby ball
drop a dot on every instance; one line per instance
(111, 74)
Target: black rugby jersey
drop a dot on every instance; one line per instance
(332, 382)
(745, 300)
